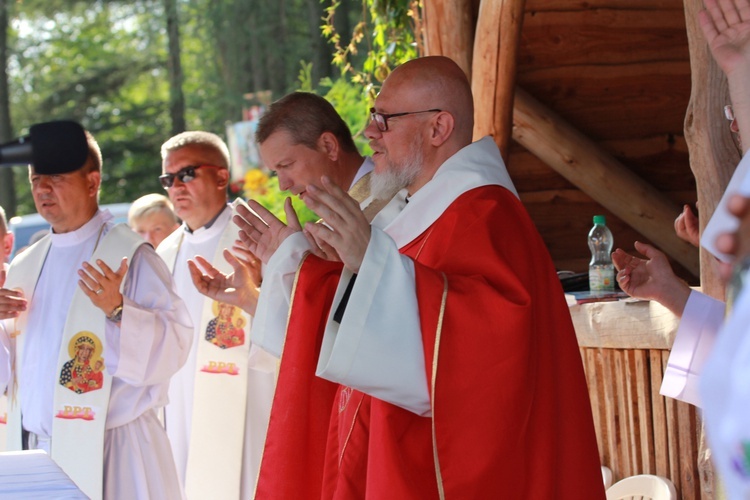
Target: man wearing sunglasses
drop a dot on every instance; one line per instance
(220, 401)
(449, 368)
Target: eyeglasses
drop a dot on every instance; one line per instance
(381, 119)
(185, 174)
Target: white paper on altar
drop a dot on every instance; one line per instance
(33, 474)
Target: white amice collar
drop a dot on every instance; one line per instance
(91, 229)
(204, 233)
(478, 164)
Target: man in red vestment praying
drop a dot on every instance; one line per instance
(434, 358)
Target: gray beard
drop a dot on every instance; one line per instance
(383, 185)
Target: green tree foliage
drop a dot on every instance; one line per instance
(101, 64)
(383, 38)
(104, 64)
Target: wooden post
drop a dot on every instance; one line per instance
(495, 64)
(449, 31)
(598, 174)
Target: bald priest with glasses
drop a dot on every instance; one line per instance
(219, 403)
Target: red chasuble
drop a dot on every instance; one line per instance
(511, 414)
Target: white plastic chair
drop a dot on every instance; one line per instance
(644, 486)
(606, 476)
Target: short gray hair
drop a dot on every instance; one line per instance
(200, 139)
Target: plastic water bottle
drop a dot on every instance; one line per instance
(601, 269)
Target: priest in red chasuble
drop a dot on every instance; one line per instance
(434, 358)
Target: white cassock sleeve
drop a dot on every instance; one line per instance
(154, 337)
(377, 348)
(269, 323)
(699, 325)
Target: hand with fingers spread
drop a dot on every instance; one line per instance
(261, 231)
(686, 226)
(250, 260)
(651, 278)
(236, 288)
(346, 230)
(726, 26)
(102, 285)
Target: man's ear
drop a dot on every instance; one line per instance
(7, 247)
(442, 125)
(94, 182)
(222, 177)
(329, 144)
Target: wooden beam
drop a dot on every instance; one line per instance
(598, 174)
(494, 69)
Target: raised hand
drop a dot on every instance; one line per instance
(102, 286)
(651, 278)
(250, 260)
(726, 26)
(236, 288)
(261, 231)
(346, 230)
(686, 226)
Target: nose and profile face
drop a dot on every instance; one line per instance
(296, 165)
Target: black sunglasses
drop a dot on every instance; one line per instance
(185, 174)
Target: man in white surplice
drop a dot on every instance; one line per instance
(147, 332)
(216, 422)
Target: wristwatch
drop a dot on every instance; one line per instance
(116, 314)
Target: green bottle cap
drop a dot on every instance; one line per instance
(600, 219)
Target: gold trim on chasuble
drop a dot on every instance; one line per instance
(439, 476)
(351, 428)
(441, 489)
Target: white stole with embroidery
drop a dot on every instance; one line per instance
(214, 466)
(83, 386)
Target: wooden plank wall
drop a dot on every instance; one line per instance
(638, 430)
(619, 71)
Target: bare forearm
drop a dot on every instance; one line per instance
(674, 295)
